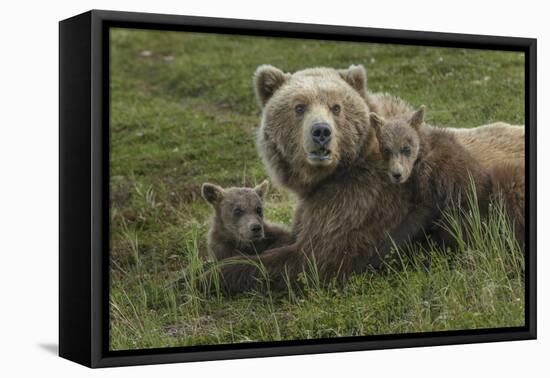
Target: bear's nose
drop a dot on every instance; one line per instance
(256, 228)
(396, 176)
(321, 134)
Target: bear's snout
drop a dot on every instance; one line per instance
(396, 176)
(256, 228)
(321, 134)
(255, 231)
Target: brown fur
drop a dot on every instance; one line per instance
(345, 201)
(508, 183)
(436, 169)
(236, 210)
(338, 198)
(489, 144)
(494, 143)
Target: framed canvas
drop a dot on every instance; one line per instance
(234, 188)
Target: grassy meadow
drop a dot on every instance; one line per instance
(183, 112)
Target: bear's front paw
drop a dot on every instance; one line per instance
(237, 275)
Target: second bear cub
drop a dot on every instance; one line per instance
(238, 225)
(438, 170)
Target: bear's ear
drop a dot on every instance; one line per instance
(356, 77)
(267, 79)
(213, 194)
(376, 122)
(261, 189)
(418, 117)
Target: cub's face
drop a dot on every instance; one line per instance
(239, 210)
(314, 118)
(399, 143)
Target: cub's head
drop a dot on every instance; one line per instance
(313, 120)
(399, 142)
(238, 210)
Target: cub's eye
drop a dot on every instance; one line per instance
(386, 152)
(237, 211)
(259, 211)
(335, 109)
(406, 150)
(300, 109)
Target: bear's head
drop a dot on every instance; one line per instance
(399, 142)
(314, 122)
(238, 211)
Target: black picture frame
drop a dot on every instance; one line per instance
(84, 189)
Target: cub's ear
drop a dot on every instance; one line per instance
(267, 79)
(376, 121)
(417, 119)
(262, 188)
(212, 193)
(356, 77)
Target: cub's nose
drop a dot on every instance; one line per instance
(396, 176)
(321, 134)
(256, 228)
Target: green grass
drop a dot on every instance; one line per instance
(183, 112)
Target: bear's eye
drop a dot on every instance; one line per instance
(259, 210)
(300, 109)
(237, 211)
(335, 109)
(386, 152)
(406, 150)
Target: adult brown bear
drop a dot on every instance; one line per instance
(316, 139)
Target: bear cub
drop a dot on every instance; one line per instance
(438, 170)
(238, 226)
